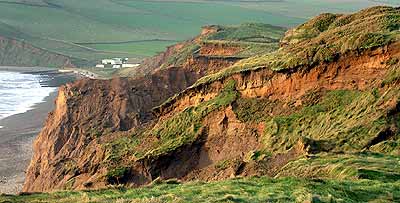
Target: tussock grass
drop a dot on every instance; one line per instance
(344, 120)
(365, 165)
(236, 190)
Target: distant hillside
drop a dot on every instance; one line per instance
(17, 53)
(90, 30)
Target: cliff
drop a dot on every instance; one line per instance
(90, 110)
(242, 108)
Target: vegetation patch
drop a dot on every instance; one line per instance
(253, 110)
(257, 155)
(117, 175)
(366, 165)
(248, 32)
(222, 165)
(184, 127)
(378, 175)
(393, 76)
(348, 120)
(179, 58)
(119, 149)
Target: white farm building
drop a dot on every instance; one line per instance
(116, 63)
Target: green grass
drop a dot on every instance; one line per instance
(140, 49)
(394, 74)
(251, 32)
(253, 110)
(340, 120)
(236, 190)
(384, 168)
(117, 150)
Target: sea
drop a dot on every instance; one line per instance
(19, 92)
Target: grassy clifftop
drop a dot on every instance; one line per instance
(240, 41)
(323, 39)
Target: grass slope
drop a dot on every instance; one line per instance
(235, 190)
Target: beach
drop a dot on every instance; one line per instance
(19, 131)
(16, 140)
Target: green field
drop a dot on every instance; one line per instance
(139, 49)
(149, 26)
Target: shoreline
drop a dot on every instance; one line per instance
(16, 142)
(18, 131)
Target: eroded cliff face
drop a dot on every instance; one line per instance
(227, 146)
(87, 109)
(351, 71)
(68, 145)
(249, 122)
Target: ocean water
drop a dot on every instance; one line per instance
(20, 92)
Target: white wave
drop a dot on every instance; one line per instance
(20, 92)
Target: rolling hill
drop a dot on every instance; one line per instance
(86, 31)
